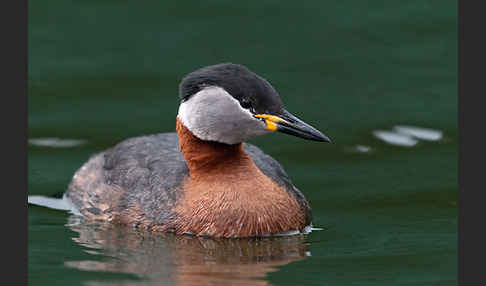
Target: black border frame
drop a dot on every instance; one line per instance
(14, 46)
(470, 76)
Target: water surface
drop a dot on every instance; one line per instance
(103, 71)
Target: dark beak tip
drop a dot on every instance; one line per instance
(296, 127)
(327, 140)
(324, 138)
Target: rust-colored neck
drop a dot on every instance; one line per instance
(228, 196)
(209, 156)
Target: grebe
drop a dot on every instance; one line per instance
(204, 180)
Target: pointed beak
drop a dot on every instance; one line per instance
(285, 122)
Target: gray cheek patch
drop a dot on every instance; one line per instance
(212, 114)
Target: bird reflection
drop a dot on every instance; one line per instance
(167, 259)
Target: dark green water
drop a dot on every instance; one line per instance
(103, 71)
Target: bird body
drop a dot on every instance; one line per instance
(203, 179)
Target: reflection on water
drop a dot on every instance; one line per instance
(167, 259)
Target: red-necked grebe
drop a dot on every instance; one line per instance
(203, 180)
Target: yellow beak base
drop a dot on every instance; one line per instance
(270, 120)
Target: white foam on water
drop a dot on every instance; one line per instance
(358, 149)
(395, 138)
(308, 229)
(419, 132)
(56, 142)
(63, 204)
(93, 252)
(408, 136)
(363, 148)
(288, 233)
(52, 203)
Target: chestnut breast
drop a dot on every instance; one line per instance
(227, 195)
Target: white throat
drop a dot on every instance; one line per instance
(213, 114)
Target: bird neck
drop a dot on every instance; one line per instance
(207, 157)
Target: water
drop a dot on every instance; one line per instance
(100, 72)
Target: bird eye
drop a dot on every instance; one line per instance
(245, 104)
